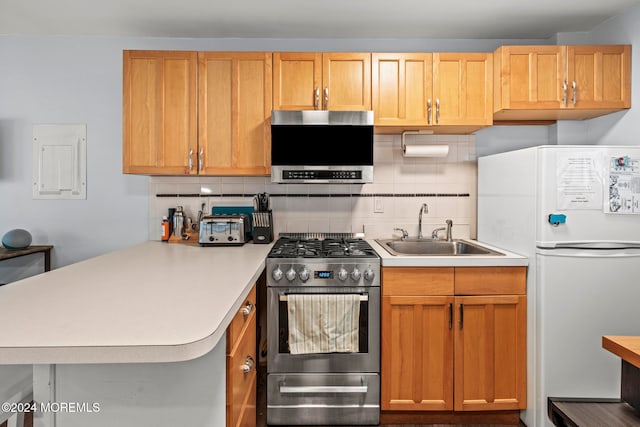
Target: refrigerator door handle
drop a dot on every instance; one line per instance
(590, 253)
(589, 244)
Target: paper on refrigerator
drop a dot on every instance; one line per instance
(624, 185)
(579, 180)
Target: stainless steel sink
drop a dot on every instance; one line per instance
(428, 247)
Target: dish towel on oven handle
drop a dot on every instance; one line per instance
(322, 323)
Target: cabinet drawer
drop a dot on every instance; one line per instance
(239, 382)
(248, 414)
(408, 281)
(490, 280)
(241, 320)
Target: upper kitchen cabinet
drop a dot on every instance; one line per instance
(402, 88)
(297, 81)
(444, 92)
(561, 82)
(159, 111)
(234, 109)
(187, 113)
(321, 81)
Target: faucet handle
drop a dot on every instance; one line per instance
(434, 233)
(404, 232)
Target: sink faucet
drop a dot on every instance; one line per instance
(423, 209)
(434, 233)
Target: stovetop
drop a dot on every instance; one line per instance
(339, 247)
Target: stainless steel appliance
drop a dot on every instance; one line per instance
(319, 146)
(323, 388)
(223, 230)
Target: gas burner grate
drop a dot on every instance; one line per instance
(341, 245)
(317, 236)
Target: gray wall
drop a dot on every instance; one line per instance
(79, 80)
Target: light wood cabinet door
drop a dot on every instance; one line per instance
(599, 77)
(462, 88)
(346, 81)
(443, 92)
(417, 353)
(529, 77)
(490, 353)
(241, 368)
(297, 81)
(234, 111)
(561, 82)
(159, 112)
(402, 85)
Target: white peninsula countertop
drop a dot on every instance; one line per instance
(153, 302)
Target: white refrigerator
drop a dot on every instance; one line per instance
(575, 212)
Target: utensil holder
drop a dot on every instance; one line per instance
(263, 227)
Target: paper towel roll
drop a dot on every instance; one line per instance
(425, 150)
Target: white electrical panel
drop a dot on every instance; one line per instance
(59, 161)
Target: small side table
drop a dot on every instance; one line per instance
(15, 253)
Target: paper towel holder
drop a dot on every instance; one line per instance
(403, 146)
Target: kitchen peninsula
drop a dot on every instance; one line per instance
(139, 331)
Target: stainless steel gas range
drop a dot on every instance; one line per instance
(323, 355)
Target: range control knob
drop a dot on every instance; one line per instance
(277, 274)
(342, 274)
(369, 274)
(304, 274)
(355, 274)
(290, 274)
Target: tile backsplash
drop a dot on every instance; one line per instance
(401, 185)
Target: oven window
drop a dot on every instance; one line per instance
(283, 331)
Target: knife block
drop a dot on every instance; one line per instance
(263, 227)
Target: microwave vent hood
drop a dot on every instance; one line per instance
(322, 117)
(320, 146)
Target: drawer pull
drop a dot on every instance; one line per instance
(248, 365)
(324, 389)
(247, 309)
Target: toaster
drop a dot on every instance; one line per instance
(224, 230)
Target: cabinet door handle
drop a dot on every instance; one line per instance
(450, 316)
(429, 111)
(461, 315)
(248, 365)
(316, 98)
(326, 98)
(574, 86)
(247, 309)
(190, 159)
(564, 92)
(201, 160)
(437, 110)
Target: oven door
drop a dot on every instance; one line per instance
(280, 360)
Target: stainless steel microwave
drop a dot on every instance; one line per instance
(320, 146)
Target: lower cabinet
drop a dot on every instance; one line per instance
(453, 339)
(241, 366)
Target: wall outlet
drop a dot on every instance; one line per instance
(378, 205)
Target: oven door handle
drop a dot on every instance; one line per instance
(285, 298)
(324, 389)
